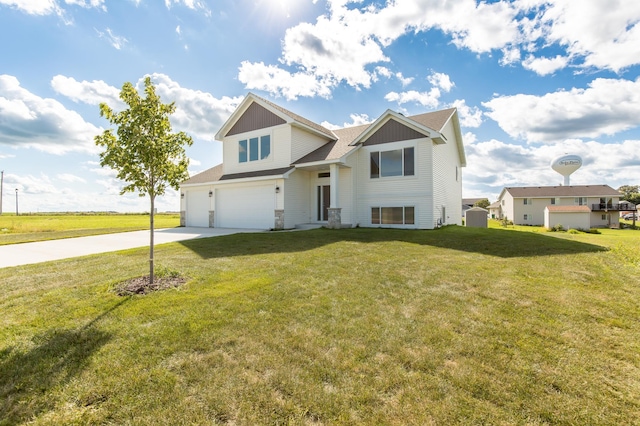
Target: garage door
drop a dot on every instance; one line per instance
(198, 208)
(250, 207)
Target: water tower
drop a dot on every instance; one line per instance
(565, 165)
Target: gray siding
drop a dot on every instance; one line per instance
(254, 118)
(392, 131)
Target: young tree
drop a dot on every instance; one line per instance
(144, 152)
(484, 203)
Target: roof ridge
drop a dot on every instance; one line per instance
(297, 117)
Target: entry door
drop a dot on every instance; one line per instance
(324, 201)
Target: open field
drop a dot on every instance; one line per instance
(359, 326)
(40, 227)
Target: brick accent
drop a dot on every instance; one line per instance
(279, 219)
(335, 218)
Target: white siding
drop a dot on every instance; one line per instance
(345, 196)
(297, 199)
(568, 220)
(447, 179)
(398, 191)
(302, 143)
(280, 151)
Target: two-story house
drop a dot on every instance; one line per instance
(281, 170)
(579, 206)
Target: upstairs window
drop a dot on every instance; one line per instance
(528, 201)
(397, 162)
(580, 201)
(254, 149)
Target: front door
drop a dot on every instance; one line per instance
(323, 202)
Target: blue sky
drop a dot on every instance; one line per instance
(531, 79)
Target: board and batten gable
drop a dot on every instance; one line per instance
(397, 191)
(447, 178)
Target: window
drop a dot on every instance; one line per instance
(526, 217)
(581, 201)
(604, 217)
(553, 201)
(527, 201)
(324, 175)
(397, 162)
(254, 149)
(393, 215)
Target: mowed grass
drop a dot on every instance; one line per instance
(40, 227)
(359, 326)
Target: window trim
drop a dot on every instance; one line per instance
(251, 144)
(375, 163)
(380, 215)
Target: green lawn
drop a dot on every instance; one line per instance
(40, 227)
(359, 326)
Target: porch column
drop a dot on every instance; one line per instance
(335, 219)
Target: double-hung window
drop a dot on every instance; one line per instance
(396, 162)
(254, 149)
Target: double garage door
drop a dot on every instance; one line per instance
(249, 207)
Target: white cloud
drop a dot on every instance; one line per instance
(280, 82)
(441, 81)
(429, 99)
(605, 34)
(27, 120)
(469, 116)
(347, 44)
(494, 164)
(68, 177)
(99, 4)
(545, 66)
(33, 7)
(191, 4)
(89, 92)
(197, 113)
(606, 107)
(117, 42)
(356, 120)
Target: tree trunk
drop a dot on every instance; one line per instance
(151, 214)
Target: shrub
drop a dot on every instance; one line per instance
(557, 228)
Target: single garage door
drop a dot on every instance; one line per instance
(249, 207)
(198, 208)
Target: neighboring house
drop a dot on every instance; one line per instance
(580, 206)
(281, 170)
(468, 203)
(494, 210)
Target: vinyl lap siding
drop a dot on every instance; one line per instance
(396, 191)
(280, 151)
(302, 143)
(297, 199)
(447, 191)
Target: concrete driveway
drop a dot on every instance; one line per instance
(44, 251)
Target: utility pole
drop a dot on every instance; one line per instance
(16, 201)
(1, 188)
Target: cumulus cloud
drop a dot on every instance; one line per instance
(89, 92)
(347, 45)
(197, 113)
(606, 107)
(27, 120)
(33, 7)
(191, 4)
(356, 120)
(68, 177)
(544, 66)
(469, 116)
(429, 99)
(494, 164)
